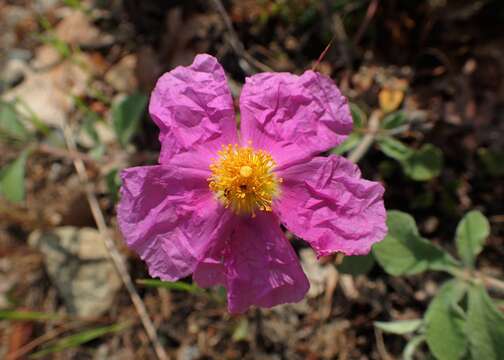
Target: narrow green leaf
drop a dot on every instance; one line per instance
(445, 324)
(412, 346)
(472, 232)
(177, 285)
(12, 179)
(80, 338)
(351, 142)
(405, 252)
(10, 125)
(485, 326)
(399, 327)
(394, 120)
(113, 184)
(356, 265)
(126, 116)
(27, 315)
(241, 332)
(358, 116)
(425, 163)
(395, 149)
(89, 127)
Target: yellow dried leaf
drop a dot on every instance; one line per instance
(390, 99)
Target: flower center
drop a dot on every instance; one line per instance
(243, 179)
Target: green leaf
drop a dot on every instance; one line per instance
(472, 232)
(241, 332)
(485, 326)
(399, 327)
(394, 120)
(445, 323)
(12, 179)
(395, 149)
(412, 346)
(126, 116)
(89, 127)
(10, 124)
(493, 161)
(405, 252)
(177, 285)
(113, 184)
(356, 265)
(358, 116)
(351, 142)
(80, 338)
(98, 151)
(27, 315)
(424, 164)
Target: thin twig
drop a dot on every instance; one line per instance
(111, 248)
(337, 25)
(236, 44)
(63, 153)
(341, 35)
(370, 13)
(488, 281)
(380, 345)
(368, 139)
(491, 283)
(54, 333)
(323, 54)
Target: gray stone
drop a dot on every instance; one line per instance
(78, 264)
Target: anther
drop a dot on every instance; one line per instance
(245, 171)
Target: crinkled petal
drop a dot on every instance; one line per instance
(256, 264)
(169, 217)
(293, 117)
(326, 203)
(193, 108)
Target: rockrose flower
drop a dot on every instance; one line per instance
(214, 205)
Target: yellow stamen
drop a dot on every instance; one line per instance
(243, 179)
(245, 171)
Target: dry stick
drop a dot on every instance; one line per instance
(62, 153)
(235, 42)
(491, 283)
(111, 248)
(54, 333)
(341, 35)
(367, 141)
(323, 54)
(370, 13)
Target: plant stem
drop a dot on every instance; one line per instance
(368, 139)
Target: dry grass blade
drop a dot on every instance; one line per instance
(235, 42)
(112, 249)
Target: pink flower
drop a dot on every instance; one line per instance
(214, 205)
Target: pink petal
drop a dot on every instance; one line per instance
(256, 264)
(193, 108)
(169, 217)
(326, 203)
(293, 117)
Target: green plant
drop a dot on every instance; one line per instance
(461, 321)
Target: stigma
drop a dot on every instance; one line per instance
(243, 179)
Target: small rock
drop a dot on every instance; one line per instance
(188, 353)
(14, 72)
(77, 263)
(76, 29)
(49, 93)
